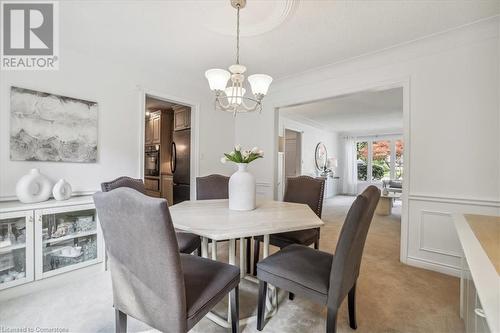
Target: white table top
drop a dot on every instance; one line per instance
(213, 219)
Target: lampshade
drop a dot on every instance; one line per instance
(234, 94)
(333, 162)
(260, 83)
(217, 78)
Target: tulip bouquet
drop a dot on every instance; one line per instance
(242, 156)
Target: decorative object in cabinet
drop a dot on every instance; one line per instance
(16, 248)
(182, 117)
(69, 240)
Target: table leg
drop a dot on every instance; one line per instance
(272, 300)
(204, 247)
(232, 261)
(265, 253)
(214, 249)
(252, 254)
(243, 262)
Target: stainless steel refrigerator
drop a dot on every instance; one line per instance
(180, 163)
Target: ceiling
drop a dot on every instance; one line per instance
(367, 111)
(279, 38)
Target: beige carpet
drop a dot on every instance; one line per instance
(391, 297)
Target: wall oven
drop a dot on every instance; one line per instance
(152, 160)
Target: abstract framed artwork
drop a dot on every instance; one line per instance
(49, 127)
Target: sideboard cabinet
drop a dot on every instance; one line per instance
(44, 239)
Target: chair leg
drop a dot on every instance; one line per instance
(291, 296)
(235, 310)
(256, 250)
(316, 244)
(261, 306)
(249, 259)
(331, 321)
(351, 302)
(120, 322)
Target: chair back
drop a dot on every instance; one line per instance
(306, 190)
(124, 181)
(349, 250)
(144, 260)
(212, 187)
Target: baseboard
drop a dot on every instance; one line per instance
(433, 266)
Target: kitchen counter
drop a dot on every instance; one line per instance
(487, 231)
(479, 236)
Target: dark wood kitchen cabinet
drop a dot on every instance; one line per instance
(152, 135)
(156, 129)
(182, 117)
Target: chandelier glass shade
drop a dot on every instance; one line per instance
(232, 98)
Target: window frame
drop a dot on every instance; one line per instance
(369, 166)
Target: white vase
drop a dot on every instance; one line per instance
(242, 189)
(62, 190)
(33, 187)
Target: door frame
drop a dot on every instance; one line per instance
(281, 183)
(195, 131)
(396, 82)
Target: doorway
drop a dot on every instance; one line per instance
(337, 165)
(293, 153)
(167, 149)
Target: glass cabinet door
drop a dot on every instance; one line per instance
(66, 238)
(16, 248)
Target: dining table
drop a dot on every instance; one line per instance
(213, 220)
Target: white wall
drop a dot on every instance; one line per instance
(452, 129)
(311, 136)
(115, 88)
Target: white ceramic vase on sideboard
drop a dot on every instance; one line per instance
(242, 189)
(33, 187)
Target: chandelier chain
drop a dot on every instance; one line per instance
(238, 35)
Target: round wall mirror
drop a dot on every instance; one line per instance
(320, 156)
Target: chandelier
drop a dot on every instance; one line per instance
(232, 98)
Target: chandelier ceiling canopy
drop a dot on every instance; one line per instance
(231, 98)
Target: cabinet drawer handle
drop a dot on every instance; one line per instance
(479, 312)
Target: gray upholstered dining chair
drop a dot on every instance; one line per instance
(319, 276)
(212, 187)
(304, 190)
(187, 242)
(153, 282)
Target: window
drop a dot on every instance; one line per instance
(362, 159)
(379, 160)
(398, 172)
